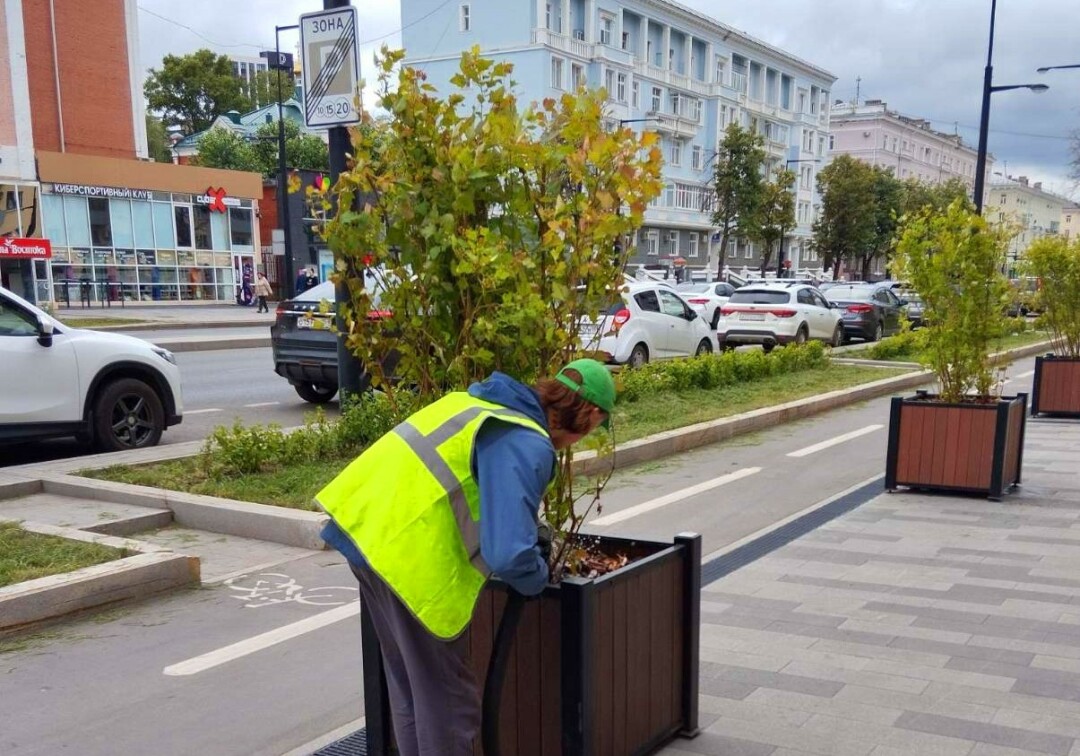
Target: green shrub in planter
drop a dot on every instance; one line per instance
(1056, 263)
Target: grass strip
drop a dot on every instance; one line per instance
(99, 322)
(25, 555)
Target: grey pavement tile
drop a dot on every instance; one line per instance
(1012, 737)
(725, 688)
(785, 700)
(892, 700)
(953, 551)
(923, 744)
(1030, 720)
(827, 672)
(993, 631)
(889, 653)
(829, 633)
(947, 674)
(962, 650)
(925, 611)
(855, 535)
(758, 678)
(1008, 700)
(988, 749)
(736, 619)
(753, 602)
(714, 744)
(832, 556)
(1020, 538)
(1063, 664)
(1047, 690)
(770, 663)
(821, 744)
(751, 709)
(907, 630)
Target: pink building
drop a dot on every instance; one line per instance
(907, 146)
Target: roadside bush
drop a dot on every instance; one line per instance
(903, 344)
(247, 449)
(711, 371)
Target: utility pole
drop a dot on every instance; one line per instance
(287, 291)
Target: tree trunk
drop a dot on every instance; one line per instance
(866, 264)
(721, 253)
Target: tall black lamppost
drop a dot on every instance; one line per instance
(1044, 69)
(984, 121)
(281, 63)
(780, 255)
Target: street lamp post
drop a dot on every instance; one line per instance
(984, 120)
(1044, 69)
(282, 177)
(780, 255)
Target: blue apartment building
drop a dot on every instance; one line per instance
(689, 74)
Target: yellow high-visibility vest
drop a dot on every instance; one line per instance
(411, 505)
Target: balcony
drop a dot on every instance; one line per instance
(562, 42)
(672, 78)
(673, 124)
(614, 55)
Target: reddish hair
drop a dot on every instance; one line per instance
(565, 408)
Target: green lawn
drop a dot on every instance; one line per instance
(98, 322)
(25, 556)
(1009, 342)
(296, 485)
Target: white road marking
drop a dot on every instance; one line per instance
(202, 411)
(263, 404)
(674, 497)
(260, 642)
(807, 451)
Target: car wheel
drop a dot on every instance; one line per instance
(801, 336)
(316, 393)
(127, 415)
(768, 347)
(705, 347)
(837, 335)
(716, 319)
(639, 357)
(879, 331)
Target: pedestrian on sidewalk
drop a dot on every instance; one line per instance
(311, 280)
(432, 509)
(262, 291)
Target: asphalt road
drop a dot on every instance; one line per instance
(226, 671)
(219, 387)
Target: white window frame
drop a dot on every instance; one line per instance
(577, 75)
(609, 83)
(692, 245)
(557, 72)
(657, 100)
(464, 17)
(748, 252)
(719, 68)
(673, 243)
(635, 94)
(652, 243)
(696, 154)
(620, 86)
(607, 29)
(625, 41)
(675, 149)
(547, 16)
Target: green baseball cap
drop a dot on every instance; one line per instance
(597, 386)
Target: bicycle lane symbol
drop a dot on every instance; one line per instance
(269, 588)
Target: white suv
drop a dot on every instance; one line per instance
(649, 321)
(771, 314)
(118, 391)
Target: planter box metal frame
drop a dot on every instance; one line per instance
(962, 448)
(1056, 387)
(566, 692)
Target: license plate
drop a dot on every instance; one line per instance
(752, 316)
(587, 330)
(304, 322)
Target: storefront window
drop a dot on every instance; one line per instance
(202, 227)
(77, 222)
(219, 227)
(163, 226)
(240, 228)
(143, 221)
(100, 226)
(53, 208)
(123, 235)
(183, 225)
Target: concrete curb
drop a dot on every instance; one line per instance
(152, 570)
(264, 522)
(165, 325)
(212, 343)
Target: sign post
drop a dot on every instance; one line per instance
(330, 56)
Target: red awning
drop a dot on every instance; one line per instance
(20, 248)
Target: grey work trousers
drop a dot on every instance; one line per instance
(435, 700)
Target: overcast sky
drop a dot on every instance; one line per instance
(924, 57)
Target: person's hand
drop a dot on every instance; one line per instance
(544, 535)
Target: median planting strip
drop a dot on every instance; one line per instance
(163, 569)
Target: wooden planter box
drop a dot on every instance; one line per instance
(601, 667)
(967, 448)
(1057, 386)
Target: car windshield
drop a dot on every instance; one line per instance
(850, 293)
(325, 290)
(759, 296)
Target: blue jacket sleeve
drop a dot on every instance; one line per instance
(513, 467)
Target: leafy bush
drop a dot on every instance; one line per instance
(903, 344)
(711, 371)
(953, 259)
(1056, 263)
(243, 450)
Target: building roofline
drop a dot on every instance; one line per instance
(1040, 192)
(838, 117)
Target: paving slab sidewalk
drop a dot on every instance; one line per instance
(914, 624)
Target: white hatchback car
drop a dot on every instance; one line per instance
(649, 322)
(119, 391)
(707, 298)
(771, 314)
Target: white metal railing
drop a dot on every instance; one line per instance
(562, 42)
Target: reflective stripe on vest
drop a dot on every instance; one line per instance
(412, 507)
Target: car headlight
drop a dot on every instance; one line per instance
(165, 354)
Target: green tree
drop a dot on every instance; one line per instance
(846, 227)
(1056, 263)
(224, 148)
(738, 185)
(192, 90)
(493, 226)
(918, 194)
(157, 140)
(301, 150)
(888, 197)
(953, 260)
(262, 90)
(776, 214)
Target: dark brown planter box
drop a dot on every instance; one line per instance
(599, 667)
(967, 448)
(1057, 386)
